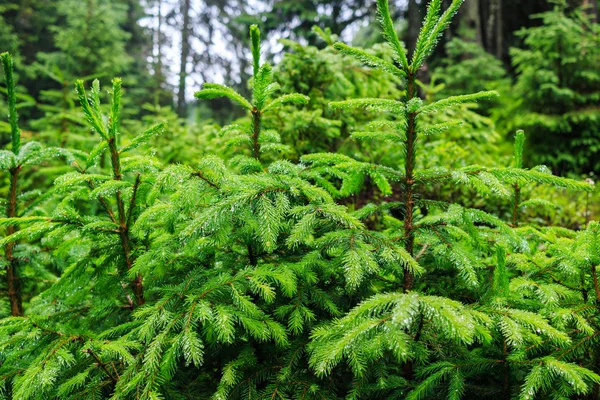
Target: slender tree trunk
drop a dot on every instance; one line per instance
(411, 138)
(491, 25)
(414, 24)
(470, 18)
(185, 53)
(158, 65)
(12, 279)
(506, 371)
(125, 220)
(255, 133)
(499, 30)
(591, 8)
(516, 205)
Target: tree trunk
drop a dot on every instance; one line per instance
(490, 30)
(158, 68)
(499, 30)
(414, 24)
(12, 278)
(471, 20)
(185, 52)
(591, 8)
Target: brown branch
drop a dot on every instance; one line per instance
(516, 201)
(12, 278)
(411, 138)
(102, 200)
(137, 285)
(256, 133)
(136, 186)
(596, 287)
(200, 175)
(421, 252)
(102, 365)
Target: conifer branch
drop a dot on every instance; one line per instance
(368, 59)
(213, 91)
(102, 365)
(389, 33)
(433, 32)
(255, 47)
(374, 104)
(411, 139)
(517, 163)
(12, 277)
(256, 123)
(13, 116)
(456, 100)
(431, 18)
(92, 112)
(201, 175)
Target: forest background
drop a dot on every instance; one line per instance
(77, 252)
(165, 50)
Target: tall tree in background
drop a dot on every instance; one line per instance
(470, 19)
(295, 19)
(88, 37)
(204, 29)
(592, 8)
(60, 41)
(185, 53)
(413, 15)
(559, 87)
(138, 46)
(159, 41)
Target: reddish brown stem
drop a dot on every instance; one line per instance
(136, 286)
(596, 287)
(12, 278)
(516, 202)
(102, 365)
(256, 133)
(506, 372)
(409, 183)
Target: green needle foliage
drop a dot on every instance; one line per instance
(558, 88)
(264, 88)
(19, 202)
(257, 277)
(432, 342)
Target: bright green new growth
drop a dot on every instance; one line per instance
(519, 144)
(390, 35)
(255, 277)
(387, 326)
(264, 89)
(115, 109)
(430, 32)
(13, 117)
(18, 202)
(255, 39)
(369, 59)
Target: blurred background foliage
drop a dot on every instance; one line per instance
(541, 55)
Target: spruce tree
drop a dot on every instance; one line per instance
(20, 261)
(13, 286)
(558, 88)
(256, 277)
(426, 328)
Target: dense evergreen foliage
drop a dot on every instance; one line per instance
(559, 84)
(361, 230)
